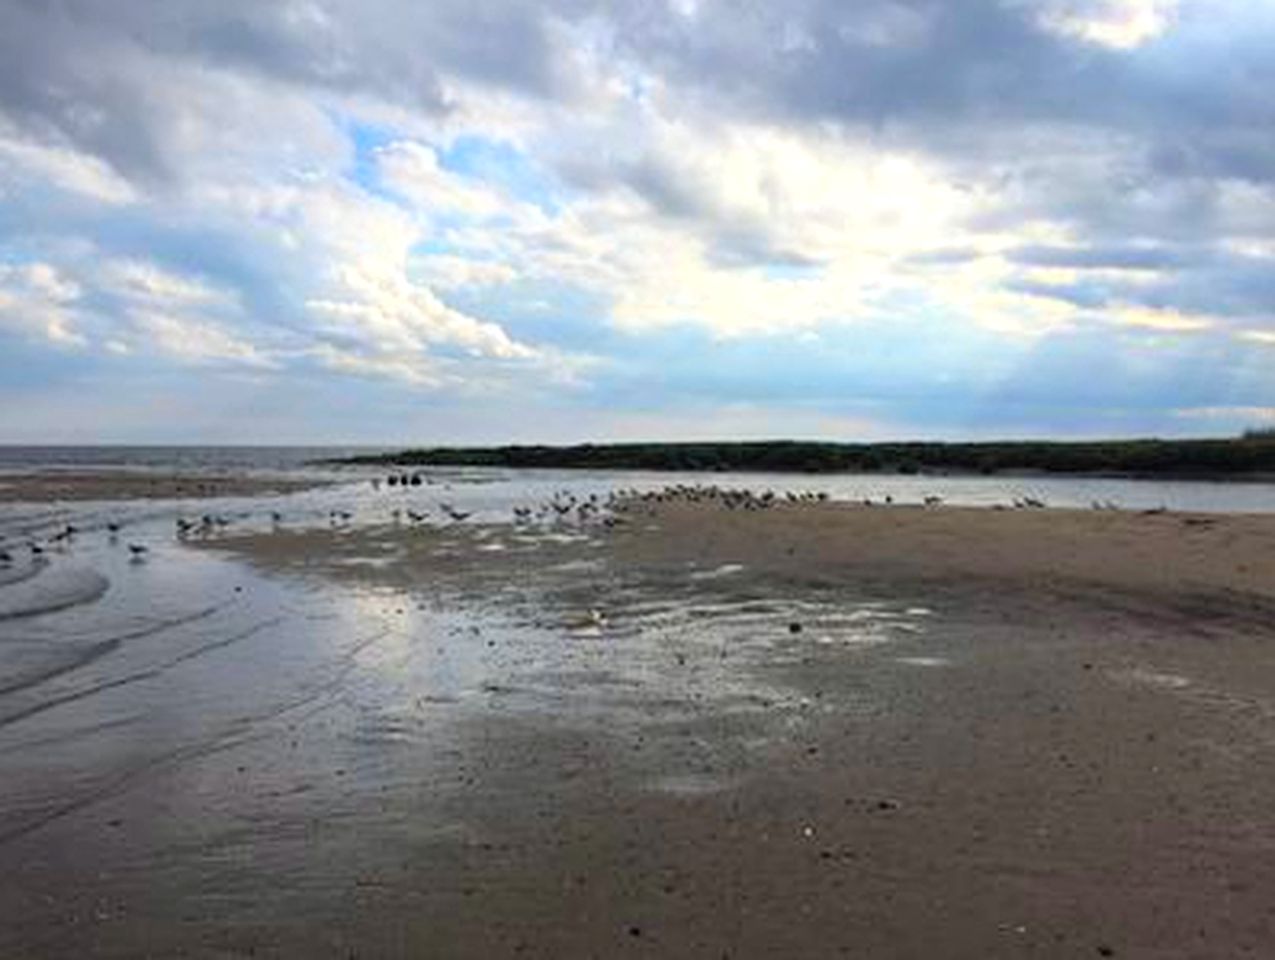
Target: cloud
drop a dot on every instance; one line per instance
(528, 198)
(196, 342)
(1122, 24)
(36, 301)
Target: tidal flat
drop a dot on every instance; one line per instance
(670, 728)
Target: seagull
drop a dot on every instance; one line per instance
(457, 515)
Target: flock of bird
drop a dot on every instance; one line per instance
(36, 550)
(562, 506)
(729, 498)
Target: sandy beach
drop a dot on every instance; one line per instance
(75, 485)
(815, 730)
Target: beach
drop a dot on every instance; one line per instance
(114, 485)
(817, 729)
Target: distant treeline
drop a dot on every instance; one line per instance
(1254, 453)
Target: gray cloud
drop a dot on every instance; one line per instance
(113, 79)
(1156, 161)
(1131, 257)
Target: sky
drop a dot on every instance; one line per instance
(487, 221)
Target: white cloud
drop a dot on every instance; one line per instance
(40, 303)
(395, 313)
(147, 283)
(449, 272)
(730, 168)
(196, 341)
(24, 162)
(1164, 320)
(412, 169)
(1119, 24)
(417, 370)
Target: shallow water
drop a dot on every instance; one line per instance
(191, 744)
(191, 702)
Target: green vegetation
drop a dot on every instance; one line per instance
(1251, 454)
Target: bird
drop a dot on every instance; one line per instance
(457, 515)
(276, 516)
(36, 549)
(112, 526)
(6, 557)
(138, 549)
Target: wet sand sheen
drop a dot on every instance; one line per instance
(812, 731)
(103, 484)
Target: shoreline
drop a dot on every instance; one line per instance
(78, 484)
(408, 466)
(992, 731)
(808, 730)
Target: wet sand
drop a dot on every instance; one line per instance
(76, 485)
(810, 731)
